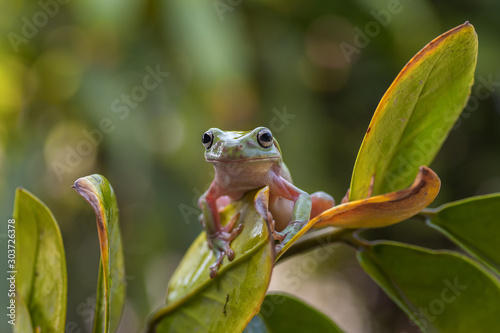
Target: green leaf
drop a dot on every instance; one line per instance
(41, 265)
(441, 291)
(474, 225)
(416, 113)
(97, 191)
(196, 303)
(257, 325)
(284, 313)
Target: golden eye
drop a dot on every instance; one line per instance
(207, 139)
(265, 138)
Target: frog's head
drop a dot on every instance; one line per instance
(236, 146)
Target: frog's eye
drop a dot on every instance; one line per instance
(207, 139)
(265, 138)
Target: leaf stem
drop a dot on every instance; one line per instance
(354, 240)
(324, 237)
(427, 213)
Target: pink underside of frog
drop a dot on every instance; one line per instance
(230, 185)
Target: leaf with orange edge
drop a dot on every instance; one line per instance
(378, 211)
(97, 191)
(385, 209)
(416, 113)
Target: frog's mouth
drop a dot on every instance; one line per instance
(243, 160)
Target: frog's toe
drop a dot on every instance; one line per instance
(278, 236)
(229, 237)
(221, 248)
(288, 233)
(213, 271)
(214, 268)
(229, 227)
(236, 231)
(230, 253)
(219, 258)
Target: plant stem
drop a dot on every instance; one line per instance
(427, 213)
(324, 237)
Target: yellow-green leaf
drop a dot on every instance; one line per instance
(97, 191)
(41, 265)
(474, 225)
(22, 315)
(416, 113)
(441, 291)
(196, 303)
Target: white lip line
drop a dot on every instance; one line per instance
(241, 161)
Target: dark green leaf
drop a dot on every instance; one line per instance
(474, 225)
(111, 286)
(441, 291)
(284, 313)
(416, 113)
(196, 303)
(41, 265)
(257, 325)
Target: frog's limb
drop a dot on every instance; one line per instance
(262, 207)
(218, 237)
(300, 214)
(321, 201)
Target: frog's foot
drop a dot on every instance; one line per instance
(287, 234)
(229, 231)
(278, 236)
(321, 201)
(278, 248)
(272, 228)
(220, 244)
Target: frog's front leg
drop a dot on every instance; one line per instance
(218, 237)
(300, 214)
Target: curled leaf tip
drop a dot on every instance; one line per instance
(97, 191)
(83, 186)
(386, 209)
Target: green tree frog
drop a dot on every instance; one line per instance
(245, 161)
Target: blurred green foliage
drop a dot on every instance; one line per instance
(84, 89)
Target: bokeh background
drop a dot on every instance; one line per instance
(77, 96)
